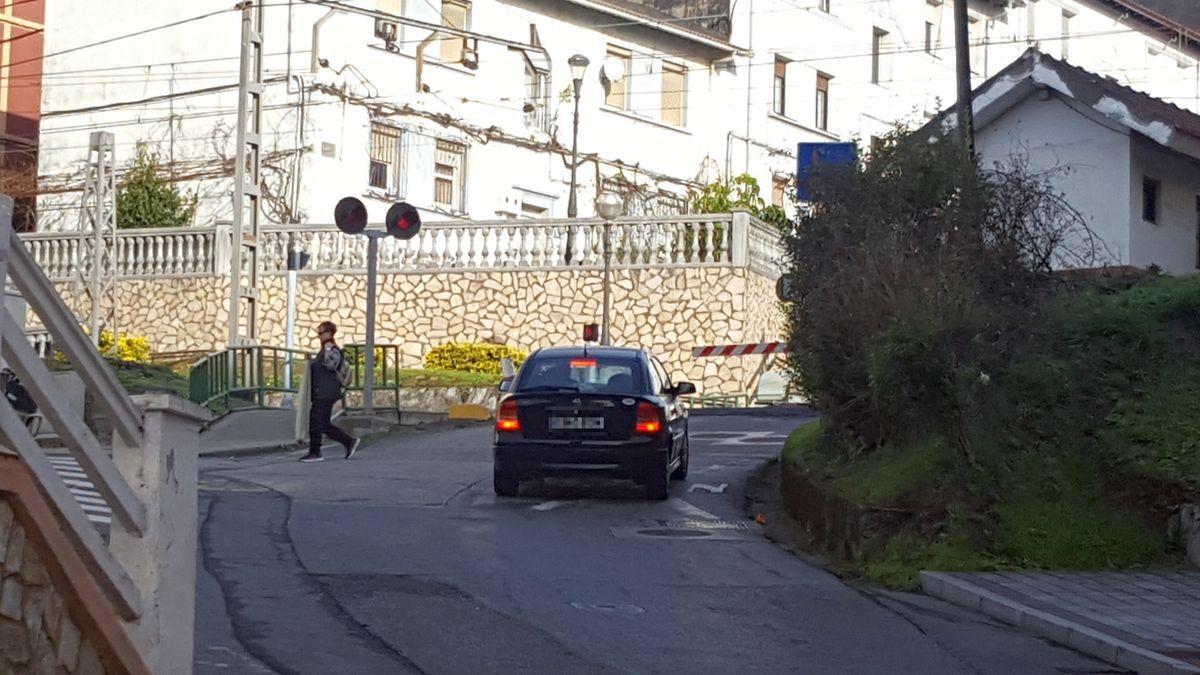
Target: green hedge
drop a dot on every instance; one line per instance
(472, 357)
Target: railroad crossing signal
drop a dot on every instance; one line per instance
(403, 221)
(350, 215)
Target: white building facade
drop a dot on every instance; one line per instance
(481, 130)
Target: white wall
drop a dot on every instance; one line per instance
(1091, 161)
(1171, 243)
(723, 98)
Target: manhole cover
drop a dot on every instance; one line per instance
(606, 607)
(677, 533)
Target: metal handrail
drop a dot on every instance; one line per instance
(239, 378)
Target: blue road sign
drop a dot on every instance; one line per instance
(809, 156)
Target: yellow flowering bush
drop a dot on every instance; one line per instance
(472, 357)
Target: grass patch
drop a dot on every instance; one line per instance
(896, 472)
(1080, 445)
(447, 378)
(144, 378)
(801, 449)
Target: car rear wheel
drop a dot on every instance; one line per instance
(681, 472)
(658, 481)
(505, 483)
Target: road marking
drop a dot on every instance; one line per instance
(690, 510)
(738, 437)
(546, 506)
(82, 489)
(711, 489)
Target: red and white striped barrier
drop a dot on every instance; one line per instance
(759, 348)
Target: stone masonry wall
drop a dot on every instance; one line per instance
(666, 311)
(36, 633)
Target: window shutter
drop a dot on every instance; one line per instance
(674, 93)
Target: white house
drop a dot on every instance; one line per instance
(678, 92)
(1128, 162)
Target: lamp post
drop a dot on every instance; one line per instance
(579, 64)
(610, 206)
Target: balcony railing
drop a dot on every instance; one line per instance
(722, 240)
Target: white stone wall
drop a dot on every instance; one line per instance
(1172, 243)
(666, 311)
(725, 99)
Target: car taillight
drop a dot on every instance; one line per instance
(649, 419)
(506, 417)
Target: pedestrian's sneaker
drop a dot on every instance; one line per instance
(353, 448)
(312, 457)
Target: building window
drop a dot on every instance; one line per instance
(933, 26)
(1151, 197)
(823, 5)
(880, 66)
(779, 190)
(537, 97)
(1066, 32)
(822, 117)
(449, 163)
(618, 92)
(386, 158)
(674, 93)
(455, 14)
(779, 90)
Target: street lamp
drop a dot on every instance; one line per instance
(579, 64)
(610, 207)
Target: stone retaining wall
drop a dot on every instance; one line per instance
(37, 635)
(666, 310)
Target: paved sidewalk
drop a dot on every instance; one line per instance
(1145, 621)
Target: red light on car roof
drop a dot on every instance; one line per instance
(583, 363)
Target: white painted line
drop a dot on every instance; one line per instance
(690, 510)
(87, 485)
(546, 506)
(85, 499)
(78, 475)
(100, 519)
(711, 489)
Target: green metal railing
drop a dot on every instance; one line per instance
(259, 377)
(246, 377)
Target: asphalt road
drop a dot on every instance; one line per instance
(402, 560)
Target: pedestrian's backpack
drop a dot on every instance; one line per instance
(343, 370)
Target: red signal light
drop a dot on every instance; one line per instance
(403, 221)
(506, 417)
(649, 419)
(583, 363)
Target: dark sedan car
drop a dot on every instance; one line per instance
(600, 410)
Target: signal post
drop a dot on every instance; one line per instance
(402, 222)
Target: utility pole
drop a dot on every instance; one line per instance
(962, 54)
(247, 182)
(98, 218)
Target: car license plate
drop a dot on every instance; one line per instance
(576, 423)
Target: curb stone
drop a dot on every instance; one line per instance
(960, 591)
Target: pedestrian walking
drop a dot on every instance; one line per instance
(328, 375)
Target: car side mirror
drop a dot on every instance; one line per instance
(684, 388)
(505, 385)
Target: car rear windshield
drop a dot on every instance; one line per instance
(584, 374)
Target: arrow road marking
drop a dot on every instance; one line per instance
(690, 510)
(711, 489)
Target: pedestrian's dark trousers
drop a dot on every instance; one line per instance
(319, 425)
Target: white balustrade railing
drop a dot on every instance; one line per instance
(730, 240)
(167, 252)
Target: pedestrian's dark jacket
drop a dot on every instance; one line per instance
(324, 374)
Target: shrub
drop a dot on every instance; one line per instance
(472, 357)
(917, 273)
(128, 348)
